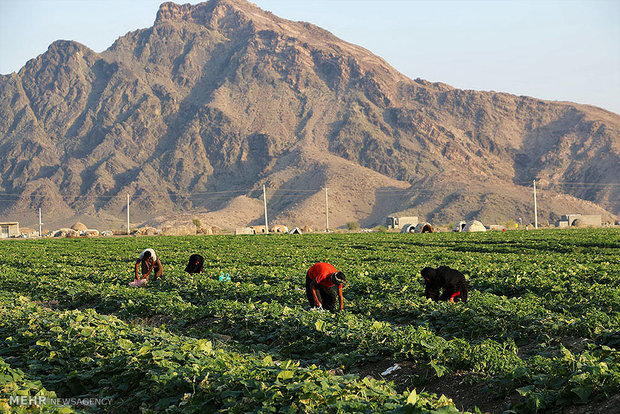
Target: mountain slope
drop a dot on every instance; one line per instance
(219, 98)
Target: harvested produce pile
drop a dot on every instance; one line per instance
(540, 330)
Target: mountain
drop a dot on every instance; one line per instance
(191, 116)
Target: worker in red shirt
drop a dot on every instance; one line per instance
(322, 280)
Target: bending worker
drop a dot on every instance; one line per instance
(149, 262)
(195, 265)
(322, 281)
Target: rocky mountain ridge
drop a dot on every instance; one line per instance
(194, 114)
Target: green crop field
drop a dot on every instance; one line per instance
(540, 331)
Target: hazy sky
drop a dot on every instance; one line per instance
(549, 49)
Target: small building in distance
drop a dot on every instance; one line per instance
(585, 220)
(259, 229)
(279, 228)
(9, 229)
(395, 223)
(28, 232)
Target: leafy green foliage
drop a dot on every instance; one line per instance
(88, 353)
(16, 383)
(541, 324)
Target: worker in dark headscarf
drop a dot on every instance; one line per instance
(195, 264)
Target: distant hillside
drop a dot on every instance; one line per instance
(196, 113)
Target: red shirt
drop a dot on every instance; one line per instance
(320, 273)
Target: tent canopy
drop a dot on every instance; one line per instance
(424, 228)
(474, 225)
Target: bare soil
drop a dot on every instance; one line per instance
(460, 387)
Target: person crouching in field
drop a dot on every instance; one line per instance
(322, 281)
(450, 280)
(195, 264)
(147, 263)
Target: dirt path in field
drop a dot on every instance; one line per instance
(458, 386)
(603, 407)
(462, 388)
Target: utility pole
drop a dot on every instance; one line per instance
(535, 208)
(326, 212)
(128, 214)
(265, 203)
(40, 224)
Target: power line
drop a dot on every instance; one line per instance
(569, 183)
(197, 194)
(279, 193)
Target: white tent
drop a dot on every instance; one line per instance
(408, 228)
(474, 225)
(459, 226)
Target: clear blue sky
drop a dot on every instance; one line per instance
(549, 49)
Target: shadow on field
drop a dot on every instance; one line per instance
(516, 246)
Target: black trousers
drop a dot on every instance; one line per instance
(327, 295)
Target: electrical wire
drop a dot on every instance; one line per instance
(285, 192)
